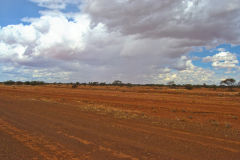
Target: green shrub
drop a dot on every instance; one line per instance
(74, 86)
(10, 82)
(188, 86)
(19, 83)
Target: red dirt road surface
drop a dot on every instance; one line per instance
(111, 123)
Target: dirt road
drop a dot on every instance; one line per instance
(41, 124)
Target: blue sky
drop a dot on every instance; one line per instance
(58, 42)
(12, 11)
(211, 52)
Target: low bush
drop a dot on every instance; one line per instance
(188, 86)
(10, 82)
(19, 83)
(74, 86)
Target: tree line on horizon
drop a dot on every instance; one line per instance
(33, 83)
(230, 82)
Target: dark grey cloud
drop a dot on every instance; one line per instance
(179, 19)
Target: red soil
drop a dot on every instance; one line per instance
(58, 122)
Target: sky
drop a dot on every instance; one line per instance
(135, 41)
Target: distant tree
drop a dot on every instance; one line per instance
(214, 87)
(27, 83)
(34, 83)
(117, 82)
(188, 86)
(129, 84)
(171, 84)
(204, 85)
(19, 83)
(102, 84)
(228, 82)
(10, 82)
(74, 85)
(93, 83)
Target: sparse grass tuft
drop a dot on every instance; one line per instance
(190, 117)
(227, 125)
(234, 117)
(183, 110)
(188, 86)
(180, 119)
(214, 122)
(74, 86)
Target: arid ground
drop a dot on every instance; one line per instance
(57, 122)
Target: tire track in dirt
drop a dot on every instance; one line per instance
(116, 154)
(105, 136)
(88, 144)
(18, 136)
(172, 134)
(132, 143)
(188, 139)
(49, 151)
(203, 140)
(213, 142)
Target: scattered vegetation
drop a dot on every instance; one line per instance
(33, 83)
(190, 117)
(117, 82)
(234, 117)
(188, 86)
(183, 110)
(75, 85)
(214, 122)
(229, 83)
(171, 84)
(227, 125)
(10, 82)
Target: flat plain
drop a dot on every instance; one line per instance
(57, 122)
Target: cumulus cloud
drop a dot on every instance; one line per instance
(223, 59)
(191, 74)
(26, 74)
(132, 40)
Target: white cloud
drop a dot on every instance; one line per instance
(18, 34)
(192, 75)
(131, 40)
(221, 49)
(223, 59)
